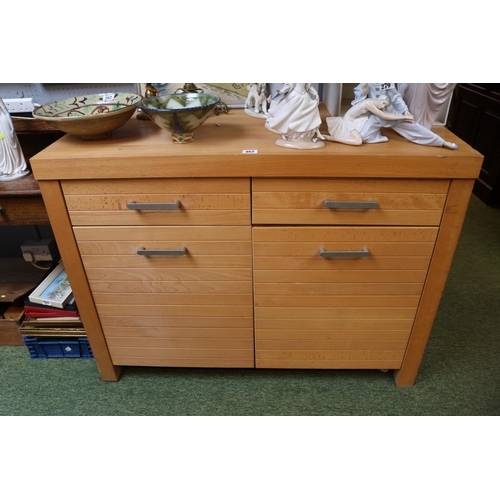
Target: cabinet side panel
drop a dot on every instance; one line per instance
(451, 225)
(61, 226)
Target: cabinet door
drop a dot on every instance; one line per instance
(172, 296)
(337, 297)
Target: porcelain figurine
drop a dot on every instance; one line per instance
(12, 163)
(294, 114)
(256, 102)
(425, 100)
(347, 129)
(410, 130)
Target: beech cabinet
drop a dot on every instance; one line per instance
(202, 255)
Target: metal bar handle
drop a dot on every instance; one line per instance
(350, 204)
(132, 205)
(355, 254)
(159, 253)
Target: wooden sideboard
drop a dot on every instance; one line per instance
(21, 205)
(269, 257)
(475, 117)
(21, 202)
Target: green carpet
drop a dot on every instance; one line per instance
(459, 374)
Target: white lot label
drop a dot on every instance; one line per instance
(108, 97)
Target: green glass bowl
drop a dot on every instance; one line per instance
(90, 117)
(179, 114)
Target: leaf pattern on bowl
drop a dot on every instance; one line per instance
(88, 105)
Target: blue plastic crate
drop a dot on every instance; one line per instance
(58, 348)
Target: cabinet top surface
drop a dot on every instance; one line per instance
(140, 149)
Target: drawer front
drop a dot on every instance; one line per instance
(193, 308)
(337, 297)
(348, 201)
(22, 211)
(159, 202)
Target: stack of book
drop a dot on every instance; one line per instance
(48, 321)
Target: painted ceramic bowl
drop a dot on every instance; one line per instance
(90, 117)
(180, 114)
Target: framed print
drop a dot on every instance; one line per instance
(233, 95)
(54, 291)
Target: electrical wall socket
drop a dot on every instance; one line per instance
(20, 105)
(39, 250)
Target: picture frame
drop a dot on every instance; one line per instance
(55, 290)
(234, 95)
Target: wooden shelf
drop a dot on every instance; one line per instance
(17, 278)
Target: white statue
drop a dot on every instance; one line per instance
(295, 115)
(347, 129)
(411, 130)
(12, 163)
(425, 100)
(256, 103)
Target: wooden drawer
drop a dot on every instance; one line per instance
(383, 202)
(193, 309)
(22, 210)
(200, 202)
(10, 321)
(337, 311)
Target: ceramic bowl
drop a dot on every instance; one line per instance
(179, 114)
(90, 117)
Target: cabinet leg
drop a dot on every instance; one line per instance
(110, 374)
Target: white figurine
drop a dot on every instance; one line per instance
(256, 103)
(411, 130)
(295, 115)
(347, 129)
(425, 100)
(12, 163)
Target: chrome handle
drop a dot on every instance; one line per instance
(132, 205)
(350, 204)
(159, 253)
(355, 254)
